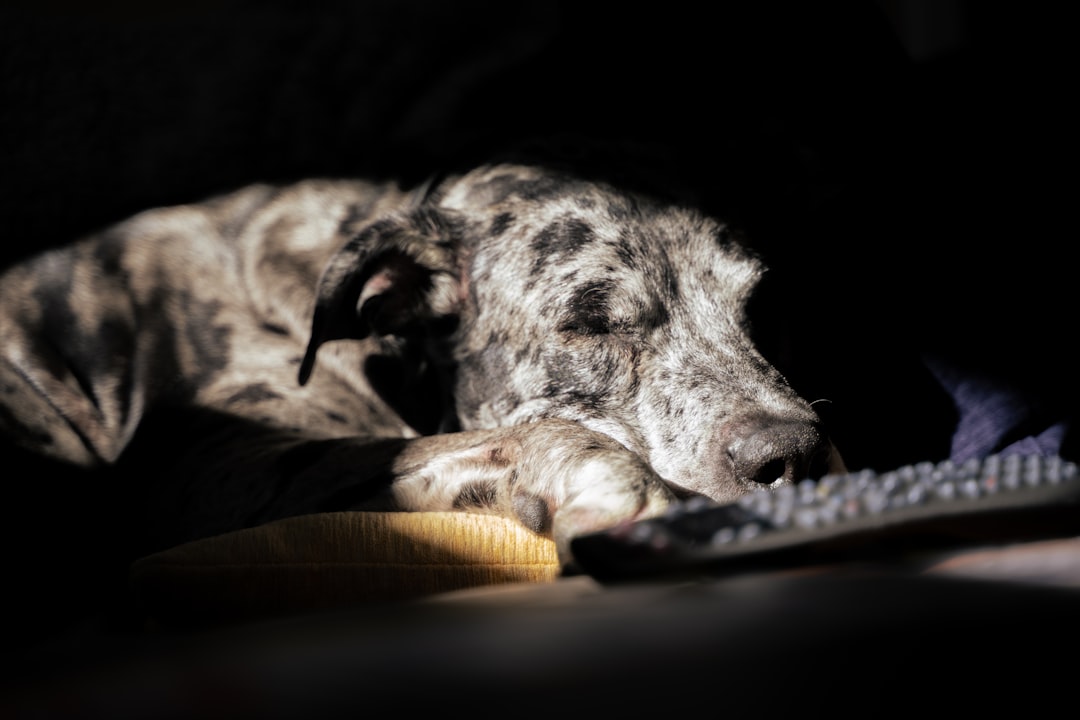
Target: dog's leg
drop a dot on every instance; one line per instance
(72, 382)
(555, 476)
(215, 472)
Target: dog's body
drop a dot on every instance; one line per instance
(511, 340)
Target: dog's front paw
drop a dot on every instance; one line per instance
(606, 491)
(579, 481)
(557, 477)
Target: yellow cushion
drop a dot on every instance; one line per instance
(332, 560)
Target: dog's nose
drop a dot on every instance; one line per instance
(764, 451)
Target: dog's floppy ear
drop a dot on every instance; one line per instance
(395, 278)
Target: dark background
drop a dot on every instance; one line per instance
(903, 166)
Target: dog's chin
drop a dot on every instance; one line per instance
(727, 493)
(720, 490)
(683, 494)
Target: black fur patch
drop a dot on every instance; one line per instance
(589, 309)
(537, 189)
(477, 495)
(628, 251)
(497, 457)
(501, 187)
(501, 222)
(102, 352)
(585, 386)
(533, 512)
(108, 252)
(496, 189)
(563, 237)
(355, 217)
(255, 393)
(208, 340)
(275, 329)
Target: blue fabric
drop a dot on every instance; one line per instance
(996, 417)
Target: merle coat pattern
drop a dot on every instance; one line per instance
(511, 340)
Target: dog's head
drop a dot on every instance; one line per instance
(575, 300)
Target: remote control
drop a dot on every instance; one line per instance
(857, 516)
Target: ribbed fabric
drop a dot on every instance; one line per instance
(333, 560)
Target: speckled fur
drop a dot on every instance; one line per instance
(511, 340)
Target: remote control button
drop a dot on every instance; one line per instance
(724, 536)
(875, 500)
(748, 532)
(917, 494)
(829, 512)
(806, 518)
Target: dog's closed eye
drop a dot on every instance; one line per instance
(587, 325)
(596, 308)
(589, 308)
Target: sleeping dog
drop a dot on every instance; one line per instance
(510, 340)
